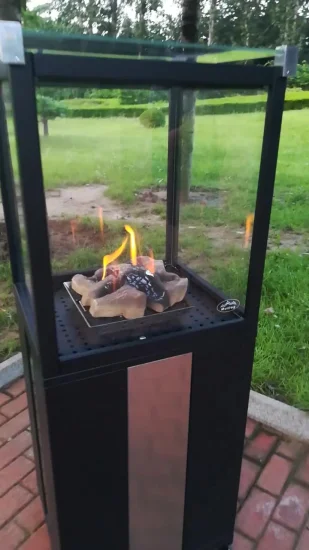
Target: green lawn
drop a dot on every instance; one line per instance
(127, 157)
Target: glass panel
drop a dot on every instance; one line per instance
(221, 138)
(104, 157)
(16, 177)
(49, 42)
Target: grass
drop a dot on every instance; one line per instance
(9, 342)
(127, 157)
(122, 153)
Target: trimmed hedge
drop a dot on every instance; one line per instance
(216, 106)
(152, 118)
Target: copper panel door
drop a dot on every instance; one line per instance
(158, 417)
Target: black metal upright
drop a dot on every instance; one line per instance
(138, 432)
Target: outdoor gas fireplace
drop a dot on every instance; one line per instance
(137, 253)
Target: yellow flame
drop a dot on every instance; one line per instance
(113, 256)
(101, 221)
(249, 224)
(133, 254)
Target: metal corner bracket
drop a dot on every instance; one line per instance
(11, 43)
(287, 58)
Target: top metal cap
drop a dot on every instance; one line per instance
(11, 43)
(287, 58)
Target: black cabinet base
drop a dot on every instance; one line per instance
(125, 446)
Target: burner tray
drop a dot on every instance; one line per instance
(150, 317)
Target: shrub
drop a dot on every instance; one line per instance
(152, 118)
(138, 97)
(301, 79)
(96, 108)
(102, 93)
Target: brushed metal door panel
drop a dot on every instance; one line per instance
(158, 420)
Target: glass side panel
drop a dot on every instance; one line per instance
(218, 178)
(50, 42)
(104, 157)
(16, 177)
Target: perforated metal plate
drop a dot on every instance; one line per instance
(74, 336)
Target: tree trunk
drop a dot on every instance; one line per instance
(295, 19)
(190, 14)
(212, 22)
(141, 12)
(114, 18)
(45, 126)
(10, 10)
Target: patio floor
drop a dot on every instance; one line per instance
(273, 508)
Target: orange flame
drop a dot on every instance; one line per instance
(249, 224)
(133, 254)
(113, 256)
(101, 220)
(73, 230)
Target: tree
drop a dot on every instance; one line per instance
(144, 10)
(10, 10)
(189, 33)
(91, 16)
(212, 22)
(48, 109)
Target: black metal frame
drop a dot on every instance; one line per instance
(213, 467)
(68, 70)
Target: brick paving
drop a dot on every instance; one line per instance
(273, 501)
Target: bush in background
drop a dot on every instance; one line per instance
(301, 79)
(153, 118)
(139, 97)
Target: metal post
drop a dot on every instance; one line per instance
(173, 169)
(35, 215)
(272, 129)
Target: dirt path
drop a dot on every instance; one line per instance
(81, 201)
(73, 202)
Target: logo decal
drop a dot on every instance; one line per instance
(228, 305)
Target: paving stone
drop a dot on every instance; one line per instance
(17, 388)
(261, 446)
(275, 474)
(14, 472)
(241, 543)
(15, 406)
(14, 448)
(303, 543)
(11, 536)
(2, 419)
(249, 473)
(31, 517)
(255, 513)
(29, 453)
(3, 398)
(250, 427)
(12, 502)
(293, 506)
(38, 541)
(303, 471)
(30, 482)
(14, 426)
(277, 537)
(290, 449)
